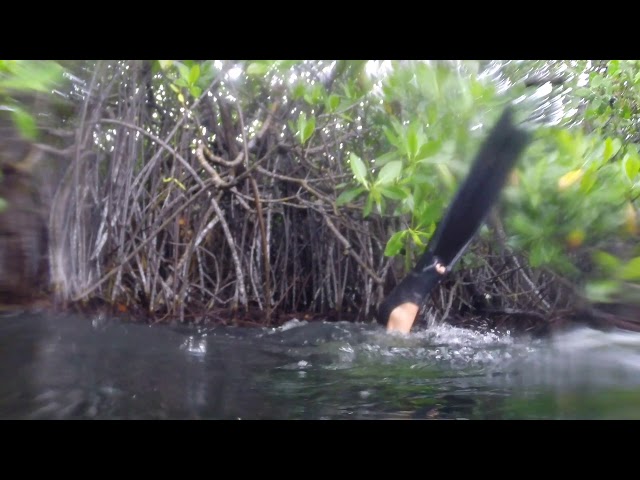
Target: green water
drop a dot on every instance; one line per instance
(81, 368)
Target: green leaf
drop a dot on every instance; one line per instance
(395, 243)
(386, 158)
(428, 80)
(409, 203)
(195, 91)
(478, 89)
(348, 196)
(309, 128)
(583, 92)
(429, 212)
(524, 226)
(298, 91)
(333, 102)
(537, 255)
(181, 82)
(611, 148)
(631, 271)
(392, 137)
(164, 64)
(379, 202)
(317, 93)
(446, 175)
(184, 72)
(588, 181)
(412, 142)
(607, 262)
(368, 206)
(566, 142)
(174, 88)
(631, 165)
(284, 65)
(416, 237)
(257, 68)
(394, 192)
(594, 108)
(181, 98)
(302, 123)
(25, 123)
(32, 75)
(375, 193)
(601, 290)
(207, 74)
(359, 170)
(389, 173)
(429, 149)
(194, 74)
(305, 127)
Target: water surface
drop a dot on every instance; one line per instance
(70, 367)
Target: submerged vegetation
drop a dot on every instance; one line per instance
(251, 191)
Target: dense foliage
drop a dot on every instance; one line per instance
(196, 187)
(22, 84)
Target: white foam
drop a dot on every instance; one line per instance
(290, 324)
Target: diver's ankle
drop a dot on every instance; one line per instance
(402, 317)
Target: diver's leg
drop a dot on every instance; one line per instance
(466, 213)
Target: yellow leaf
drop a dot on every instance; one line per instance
(569, 179)
(575, 238)
(631, 219)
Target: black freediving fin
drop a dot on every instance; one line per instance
(465, 215)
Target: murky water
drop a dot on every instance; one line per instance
(78, 368)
